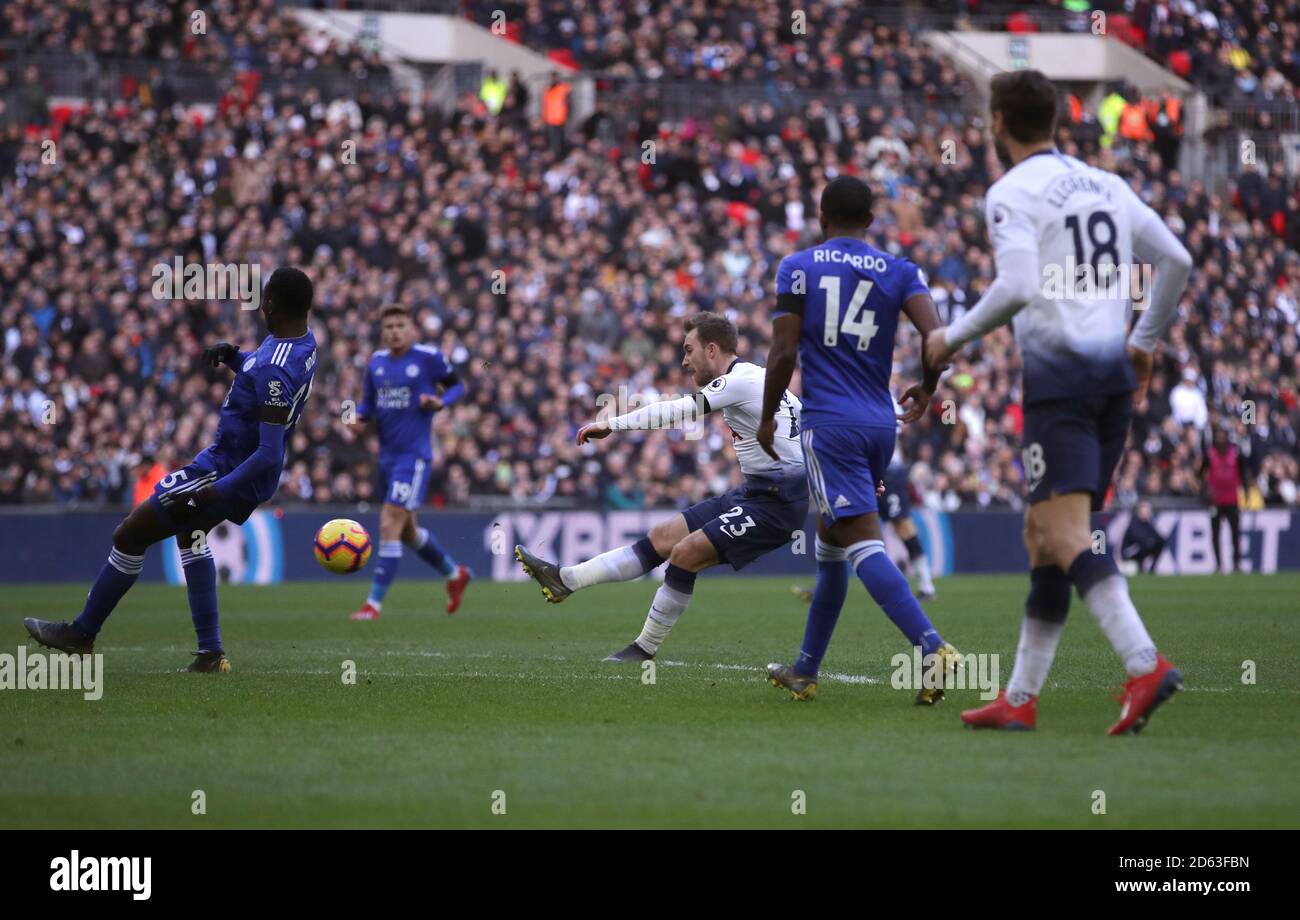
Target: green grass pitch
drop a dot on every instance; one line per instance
(510, 694)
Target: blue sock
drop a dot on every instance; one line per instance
(201, 584)
(426, 546)
(890, 590)
(390, 557)
(827, 602)
(115, 579)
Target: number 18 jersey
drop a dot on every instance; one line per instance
(1077, 221)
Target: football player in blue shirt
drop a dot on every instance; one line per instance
(406, 384)
(837, 309)
(225, 482)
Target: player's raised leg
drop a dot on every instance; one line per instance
(141, 529)
(623, 563)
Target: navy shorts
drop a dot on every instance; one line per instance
(896, 503)
(172, 493)
(1073, 445)
(844, 463)
(751, 520)
(403, 480)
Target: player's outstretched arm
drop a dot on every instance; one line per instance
(667, 413)
(1011, 290)
(1014, 235)
(781, 361)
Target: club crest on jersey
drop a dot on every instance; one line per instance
(250, 363)
(412, 370)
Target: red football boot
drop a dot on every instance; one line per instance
(368, 611)
(456, 588)
(1001, 714)
(1143, 694)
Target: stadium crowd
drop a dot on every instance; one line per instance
(1238, 49)
(242, 35)
(556, 279)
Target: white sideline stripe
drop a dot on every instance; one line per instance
(594, 675)
(831, 677)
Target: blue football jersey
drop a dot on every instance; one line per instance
(852, 294)
(279, 375)
(394, 384)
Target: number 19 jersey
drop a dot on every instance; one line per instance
(851, 294)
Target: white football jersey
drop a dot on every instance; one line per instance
(1072, 336)
(739, 394)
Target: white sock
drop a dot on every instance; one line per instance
(1109, 602)
(924, 580)
(620, 564)
(668, 605)
(1034, 655)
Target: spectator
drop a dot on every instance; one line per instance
(1224, 472)
(1142, 543)
(1187, 402)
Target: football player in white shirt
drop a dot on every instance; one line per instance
(1050, 216)
(736, 527)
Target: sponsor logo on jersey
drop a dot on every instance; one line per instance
(394, 398)
(275, 394)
